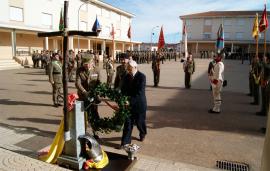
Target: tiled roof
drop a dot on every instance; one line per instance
(221, 14)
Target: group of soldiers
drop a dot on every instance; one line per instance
(259, 77)
(146, 56)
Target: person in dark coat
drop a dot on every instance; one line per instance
(134, 88)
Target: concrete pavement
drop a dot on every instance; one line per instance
(179, 128)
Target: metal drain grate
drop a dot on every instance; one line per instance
(232, 166)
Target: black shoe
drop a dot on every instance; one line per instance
(263, 130)
(96, 137)
(120, 147)
(214, 112)
(55, 105)
(142, 139)
(254, 103)
(260, 114)
(59, 104)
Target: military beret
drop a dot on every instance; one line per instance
(86, 58)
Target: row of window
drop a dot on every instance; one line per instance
(16, 14)
(226, 22)
(227, 35)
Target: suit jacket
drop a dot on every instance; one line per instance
(134, 87)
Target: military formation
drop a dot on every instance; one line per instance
(259, 77)
(142, 57)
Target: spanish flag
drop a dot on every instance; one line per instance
(255, 30)
(264, 21)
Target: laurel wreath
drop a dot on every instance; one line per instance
(116, 122)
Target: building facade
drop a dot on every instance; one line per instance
(202, 31)
(21, 20)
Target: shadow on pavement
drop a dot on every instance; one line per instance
(32, 73)
(37, 120)
(188, 108)
(108, 141)
(11, 102)
(40, 92)
(28, 130)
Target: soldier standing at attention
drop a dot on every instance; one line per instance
(156, 68)
(55, 78)
(256, 72)
(87, 79)
(189, 69)
(217, 83)
(121, 71)
(265, 83)
(110, 71)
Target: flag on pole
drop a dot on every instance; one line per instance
(61, 22)
(129, 32)
(264, 20)
(161, 40)
(184, 32)
(112, 33)
(96, 27)
(220, 38)
(255, 30)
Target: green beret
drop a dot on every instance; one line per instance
(87, 58)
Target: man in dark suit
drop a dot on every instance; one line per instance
(134, 87)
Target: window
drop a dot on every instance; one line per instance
(239, 35)
(207, 22)
(83, 26)
(227, 22)
(188, 22)
(207, 35)
(189, 35)
(106, 31)
(106, 13)
(98, 11)
(117, 33)
(47, 20)
(240, 22)
(227, 35)
(15, 13)
(84, 7)
(116, 16)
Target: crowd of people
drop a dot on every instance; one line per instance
(259, 76)
(84, 70)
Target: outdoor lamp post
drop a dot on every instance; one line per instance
(152, 36)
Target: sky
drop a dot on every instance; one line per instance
(152, 13)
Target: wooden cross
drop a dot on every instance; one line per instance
(65, 34)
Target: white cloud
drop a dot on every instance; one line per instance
(160, 12)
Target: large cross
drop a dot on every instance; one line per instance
(65, 34)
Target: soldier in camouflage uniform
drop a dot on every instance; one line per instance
(189, 69)
(55, 78)
(265, 76)
(121, 71)
(256, 71)
(87, 79)
(156, 68)
(110, 71)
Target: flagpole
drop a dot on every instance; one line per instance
(264, 52)
(257, 46)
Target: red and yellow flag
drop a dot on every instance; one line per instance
(255, 30)
(161, 40)
(264, 21)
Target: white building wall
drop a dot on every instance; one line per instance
(196, 28)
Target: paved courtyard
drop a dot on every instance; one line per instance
(179, 127)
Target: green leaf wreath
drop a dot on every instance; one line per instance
(114, 123)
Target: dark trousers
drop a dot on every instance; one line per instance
(128, 127)
(92, 114)
(256, 92)
(187, 80)
(156, 73)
